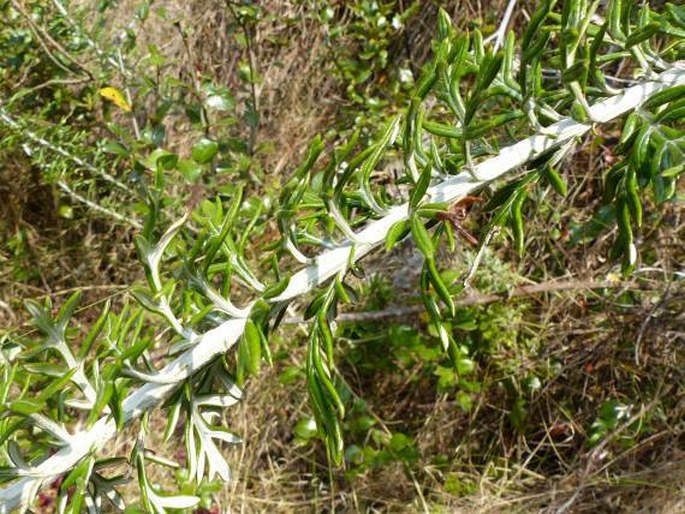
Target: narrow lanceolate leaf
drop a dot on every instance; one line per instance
(387, 139)
(206, 347)
(555, 180)
(421, 236)
(396, 232)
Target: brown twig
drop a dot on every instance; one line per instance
(483, 299)
(44, 38)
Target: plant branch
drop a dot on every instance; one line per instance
(479, 257)
(501, 33)
(98, 208)
(480, 299)
(42, 36)
(14, 125)
(206, 347)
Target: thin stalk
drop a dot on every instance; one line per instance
(250, 61)
(15, 125)
(98, 208)
(501, 33)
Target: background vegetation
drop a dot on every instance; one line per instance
(566, 391)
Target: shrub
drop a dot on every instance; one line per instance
(505, 111)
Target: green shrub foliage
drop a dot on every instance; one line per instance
(219, 278)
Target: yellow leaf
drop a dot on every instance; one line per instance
(116, 97)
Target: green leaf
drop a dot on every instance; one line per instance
(161, 159)
(325, 400)
(314, 306)
(673, 171)
(306, 428)
(633, 196)
(25, 406)
(190, 170)
(254, 346)
(396, 232)
(44, 368)
(145, 300)
(465, 366)
(104, 395)
(276, 289)
(421, 236)
(421, 186)
(676, 14)
(82, 470)
(217, 240)
(218, 98)
(444, 24)
(115, 148)
(204, 151)
(65, 211)
(664, 96)
(555, 180)
(577, 72)
(643, 34)
(75, 485)
(67, 310)
(629, 129)
(517, 220)
(379, 149)
(439, 285)
(483, 128)
(519, 415)
(442, 130)
(535, 23)
(488, 70)
(95, 331)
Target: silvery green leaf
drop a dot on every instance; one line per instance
(115, 498)
(217, 400)
(217, 463)
(80, 404)
(51, 427)
(158, 459)
(15, 455)
(173, 502)
(230, 386)
(224, 435)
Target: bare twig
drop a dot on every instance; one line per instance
(15, 125)
(479, 257)
(44, 38)
(98, 208)
(648, 318)
(501, 33)
(52, 82)
(481, 299)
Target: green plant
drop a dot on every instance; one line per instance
(496, 113)
(363, 51)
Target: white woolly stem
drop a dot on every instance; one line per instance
(99, 208)
(330, 263)
(207, 347)
(13, 124)
(501, 33)
(218, 340)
